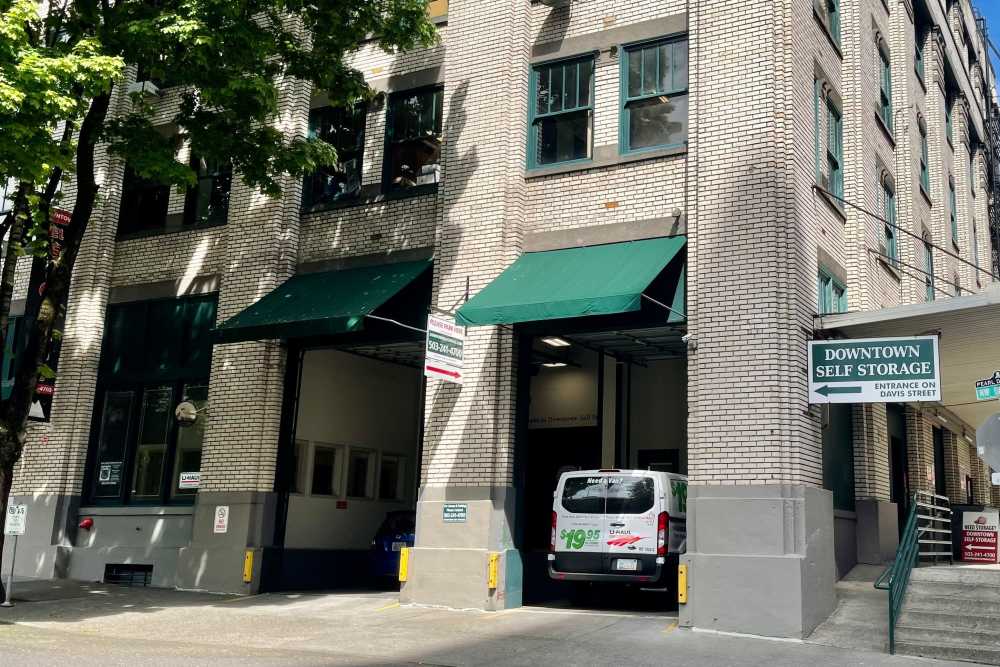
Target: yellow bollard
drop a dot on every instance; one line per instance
(682, 584)
(493, 572)
(248, 566)
(404, 563)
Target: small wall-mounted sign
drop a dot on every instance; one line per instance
(221, 519)
(189, 480)
(988, 389)
(455, 512)
(17, 519)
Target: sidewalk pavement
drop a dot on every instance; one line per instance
(95, 624)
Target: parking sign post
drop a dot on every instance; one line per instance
(13, 526)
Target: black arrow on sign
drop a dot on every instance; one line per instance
(826, 390)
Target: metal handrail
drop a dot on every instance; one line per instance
(896, 577)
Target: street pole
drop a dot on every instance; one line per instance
(10, 576)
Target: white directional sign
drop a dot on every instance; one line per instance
(445, 349)
(875, 370)
(17, 519)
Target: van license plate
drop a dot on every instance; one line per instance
(630, 564)
(396, 546)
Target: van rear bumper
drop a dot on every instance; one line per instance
(595, 576)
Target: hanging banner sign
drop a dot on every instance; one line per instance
(875, 370)
(444, 350)
(979, 536)
(989, 388)
(17, 519)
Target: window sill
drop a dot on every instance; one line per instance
(951, 144)
(165, 232)
(885, 130)
(614, 159)
(406, 193)
(137, 510)
(954, 244)
(891, 268)
(920, 80)
(927, 197)
(829, 35)
(834, 205)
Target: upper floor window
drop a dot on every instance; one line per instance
(207, 202)
(835, 149)
(832, 294)
(891, 246)
(562, 113)
(952, 213)
(957, 284)
(885, 88)
(413, 139)
(437, 8)
(928, 269)
(143, 205)
(654, 95)
(344, 129)
(949, 127)
(925, 178)
(829, 13)
(918, 62)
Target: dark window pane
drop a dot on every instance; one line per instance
(666, 82)
(389, 474)
(658, 121)
(563, 137)
(190, 437)
(324, 466)
(357, 474)
(572, 94)
(634, 72)
(542, 91)
(208, 201)
(154, 427)
(584, 495)
(649, 73)
(344, 129)
(143, 204)
(585, 72)
(199, 319)
(630, 495)
(9, 355)
(414, 152)
(556, 89)
(164, 336)
(680, 65)
(111, 442)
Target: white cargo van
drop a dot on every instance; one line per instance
(627, 526)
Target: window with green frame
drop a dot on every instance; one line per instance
(918, 62)
(885, 87)
(155, 354)
(10, 346)
(925, 177)
(835, 148)
(561, 125)
(832, 294)
(891, 245)
(975, 246)
(928, 269)
(952, 212)
(654, 95)
(949, 128)
(828, 12)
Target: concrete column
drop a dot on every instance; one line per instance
(468, 447)
(759, 526)
(246, 385)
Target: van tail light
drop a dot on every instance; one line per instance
(661, 533)
(552, 541)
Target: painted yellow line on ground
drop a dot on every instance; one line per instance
(670, 627)
(388, 606)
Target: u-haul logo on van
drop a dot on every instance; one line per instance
(624, 540)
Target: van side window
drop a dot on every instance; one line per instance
(630, 495)
(583, 495)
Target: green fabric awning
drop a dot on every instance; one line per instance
(320, 304)
(575, 282)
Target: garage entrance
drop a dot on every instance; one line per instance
(348, 459)
(613, 399)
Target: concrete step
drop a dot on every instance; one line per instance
(948, 635)
(955, 590)
(936, 618)
(957, 575)
(985, 656)
(968, 607)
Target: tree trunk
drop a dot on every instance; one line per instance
(5, 482)
(48, 289)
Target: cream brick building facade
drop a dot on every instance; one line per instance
(761, 76)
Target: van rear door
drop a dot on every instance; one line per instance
(579, 510)
(630, 526)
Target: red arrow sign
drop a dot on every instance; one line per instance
(441, 371)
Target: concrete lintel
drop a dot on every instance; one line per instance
(605, 39)
(617, 232)
(342, 263)
(166, 289)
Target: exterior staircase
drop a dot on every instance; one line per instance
(951, 613)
